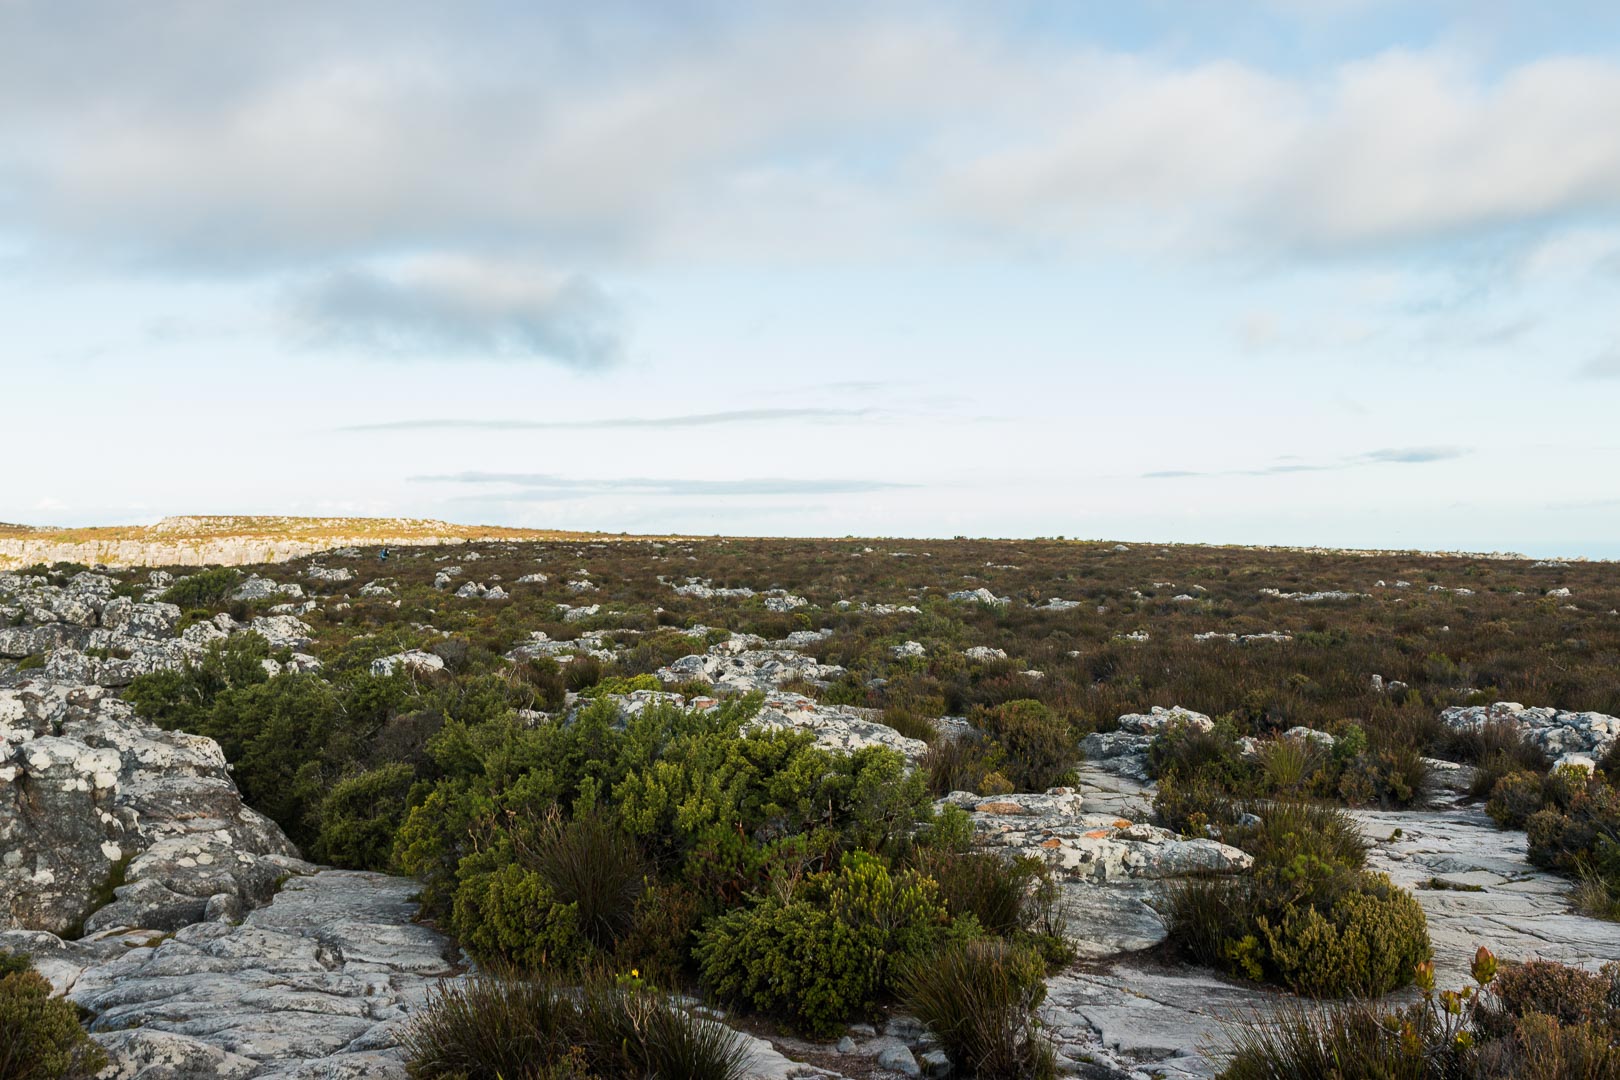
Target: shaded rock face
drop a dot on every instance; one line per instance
(323, 976)
(1111, 871)
(1573, 735)
(94, 799)
(1124, 750)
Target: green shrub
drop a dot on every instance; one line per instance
(510, 916)
(1514, 798)
(1038, 748)
(590, 865)
(360, 815)
(1193, 804)
(979, 999)
(205, 588)
(822, 956)
(1391, 777)
(40, 1036)
(1368, 943)
(1288, 832)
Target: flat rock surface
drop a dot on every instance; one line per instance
(323, 976)
(1522, 912)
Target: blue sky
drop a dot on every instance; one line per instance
(1308, 271)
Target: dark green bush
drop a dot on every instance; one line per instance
(40, 1036)
(205, 588)
(824, 955)
(360, 815)
(979, 999)
(510, 916)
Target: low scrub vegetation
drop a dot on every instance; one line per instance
(500, 1027)
(1533, 1021)
(40, 1036)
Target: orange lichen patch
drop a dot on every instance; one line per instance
(1052, 843)
(1000, 808)
(1100, 834)
(1121, 823)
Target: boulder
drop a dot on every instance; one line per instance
(105, 815)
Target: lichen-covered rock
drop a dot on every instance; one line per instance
(415, 661)
(1558, 733)
(93, 798)
(1091, 847)
(838, 728)
(743, 663)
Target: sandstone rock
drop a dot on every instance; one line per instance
(87, 788)
(908, 649)
(1558, 733)
(982, 653)
(1092, 847)
(981, 595)
(415, 661)
(259, 588)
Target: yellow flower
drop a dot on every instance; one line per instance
(635, 973)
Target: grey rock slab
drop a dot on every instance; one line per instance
(1522, 913)
(1133, 1015)
(315, 984)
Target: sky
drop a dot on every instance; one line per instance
(1338, 272)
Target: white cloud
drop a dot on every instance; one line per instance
(855, 132)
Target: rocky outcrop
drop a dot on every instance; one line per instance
(1091, 847)
(1111, 871)
(108, 821)
(745, 663)
(1124, 750)
(1566, 737)
(91, 637)
(837, 728)
(232, 541)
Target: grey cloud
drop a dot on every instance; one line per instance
(546, 487)
(1407, 455)
(687, 420)
(1413, 455)
(1605, 365)
(461, 308)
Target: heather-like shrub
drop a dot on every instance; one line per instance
(979, 999)
(1570, 995)
(1368, 943)
(40, 1036)
(823, 955)
(1038, 748)
(492, 1028)
(1391, 777)
(1515, 797)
